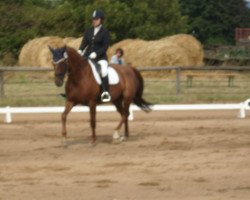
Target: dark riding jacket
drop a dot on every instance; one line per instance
(98, 43)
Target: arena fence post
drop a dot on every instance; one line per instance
(242, 113)
(178, 80)
(8, 118)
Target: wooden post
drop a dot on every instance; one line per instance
(189, 81)
(230, 80)
(1, 84)
(178, 80)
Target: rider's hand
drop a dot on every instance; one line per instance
(80, 52)
(92, 55)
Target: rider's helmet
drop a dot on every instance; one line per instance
(98, 14)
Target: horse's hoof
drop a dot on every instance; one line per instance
(93, 143)
(64, 143)
(116, 135)
(118, 140)
(124, 138)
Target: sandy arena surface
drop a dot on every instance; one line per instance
(170, 155)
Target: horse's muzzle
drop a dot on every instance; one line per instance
(58, 81)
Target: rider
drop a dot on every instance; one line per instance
(94, 46)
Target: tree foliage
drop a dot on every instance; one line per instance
(211, 21)
(22, 20)
(214, 22)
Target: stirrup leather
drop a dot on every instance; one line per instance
(105, 97)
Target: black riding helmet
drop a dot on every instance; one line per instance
(98, 14)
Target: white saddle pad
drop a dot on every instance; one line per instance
(112, 74)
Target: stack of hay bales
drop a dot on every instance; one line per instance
(36, 52)
(68, 40)
(177, 50)
(74, 43)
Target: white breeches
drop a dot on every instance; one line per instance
(104, 67)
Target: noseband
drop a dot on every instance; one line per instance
(63, 61)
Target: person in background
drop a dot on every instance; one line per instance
(94, 46)
(117, 58)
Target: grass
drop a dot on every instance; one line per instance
(38, 89)
(204, 90)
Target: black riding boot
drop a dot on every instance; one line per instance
(105, 97)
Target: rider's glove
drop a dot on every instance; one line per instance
(92, 55)
(80, 52)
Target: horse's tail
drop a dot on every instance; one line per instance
(138, 100)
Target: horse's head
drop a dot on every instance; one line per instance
(60, 63)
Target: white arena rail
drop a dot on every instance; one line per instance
(242, 107)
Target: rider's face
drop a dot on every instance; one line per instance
(96, 22)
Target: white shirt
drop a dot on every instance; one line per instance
(116, 60)
(97, 29)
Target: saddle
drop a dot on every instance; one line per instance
(112, 74)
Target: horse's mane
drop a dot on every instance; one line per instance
(75, 58)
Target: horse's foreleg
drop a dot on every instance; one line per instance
(68, 106)
(92, 107)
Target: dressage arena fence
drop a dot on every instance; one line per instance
(241, 107)
(179, 71)
(178, 85)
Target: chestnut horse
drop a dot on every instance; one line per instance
(82, 88)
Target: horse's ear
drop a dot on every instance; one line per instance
(65, 54)
(51, 49)
(64, 48)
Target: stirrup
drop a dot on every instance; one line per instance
(105, 97)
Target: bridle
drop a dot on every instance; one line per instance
(65, 63)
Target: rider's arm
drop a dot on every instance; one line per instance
(84, 42)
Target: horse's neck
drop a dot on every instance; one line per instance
(79, 72)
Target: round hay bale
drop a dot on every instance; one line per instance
(68, 40)
(27, 53)
(44, 56)
(36, 52)
(75, 43)
(192, 46)
(178, 50)
(132, 50)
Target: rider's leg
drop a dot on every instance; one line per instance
(105, 97)
(104, 67)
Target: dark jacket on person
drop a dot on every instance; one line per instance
(98, 43)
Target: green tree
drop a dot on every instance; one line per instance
(14, 32)
(214, 22)
(22, 20)
(25, 20)
(143, 19)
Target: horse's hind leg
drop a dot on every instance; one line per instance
(68, 106)
(123, 109)
(119, 107)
